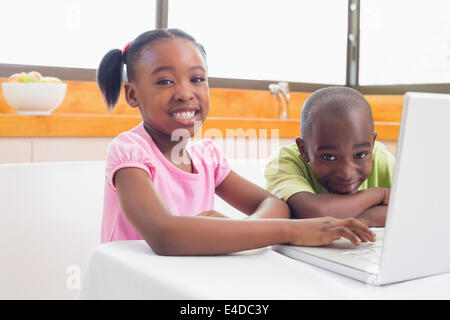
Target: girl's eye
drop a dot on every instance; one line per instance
(361, 155)
(328, 157)
(164, 82)
(197, 79)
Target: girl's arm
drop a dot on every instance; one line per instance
(250, 198)
(168, 234)
(309, 205)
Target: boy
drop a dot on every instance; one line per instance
(337, 168)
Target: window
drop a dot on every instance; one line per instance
(283, 40)
(404, 42)
(401, 45)
(69, 33)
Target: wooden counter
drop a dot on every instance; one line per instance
(75, 125)
(233, 113)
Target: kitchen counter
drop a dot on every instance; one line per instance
(101, 125)
(233, 113)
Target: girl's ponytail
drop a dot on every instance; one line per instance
(109, 73)
(109, 77)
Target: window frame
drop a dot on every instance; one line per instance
(352, 65)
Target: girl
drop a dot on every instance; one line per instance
(161, 189)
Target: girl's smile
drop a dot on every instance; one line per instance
(170, 87)
(186, 116)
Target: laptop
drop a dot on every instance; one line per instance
(415, 242)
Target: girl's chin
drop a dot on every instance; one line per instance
(185, 131)
(178, 126)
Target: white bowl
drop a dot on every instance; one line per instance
(34, 98)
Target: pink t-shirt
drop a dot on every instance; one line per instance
(186, 194)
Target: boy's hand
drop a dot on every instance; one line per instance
(386, 196)
(323, 231)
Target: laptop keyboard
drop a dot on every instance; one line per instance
(370, 253)
(366, 257)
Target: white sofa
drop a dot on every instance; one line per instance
(50, 224)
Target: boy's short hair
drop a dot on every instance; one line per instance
(336, 101)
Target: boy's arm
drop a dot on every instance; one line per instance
(309, 205)
(374, 217)
(288, 178)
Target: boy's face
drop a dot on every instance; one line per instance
(339, 150)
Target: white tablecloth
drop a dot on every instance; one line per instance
(130, 270)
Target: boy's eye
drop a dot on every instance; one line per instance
(328, 157)
(165, 82)
(197, 79)
(361, 155)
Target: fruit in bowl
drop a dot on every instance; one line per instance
(31, 93)
(32, 76)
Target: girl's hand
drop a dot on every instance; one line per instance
(212, 213)
(323, 231)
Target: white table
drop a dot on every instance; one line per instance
(130, 270)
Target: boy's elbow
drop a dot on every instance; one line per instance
(310, 212)
(308, 209)
(318, 210)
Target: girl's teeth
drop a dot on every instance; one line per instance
(184, 115)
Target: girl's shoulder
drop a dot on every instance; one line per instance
(130, 145)
(133, 136)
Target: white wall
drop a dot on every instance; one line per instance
(13, 150)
